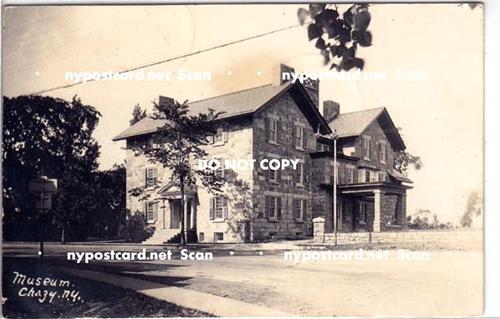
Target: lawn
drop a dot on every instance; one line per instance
(74, 296)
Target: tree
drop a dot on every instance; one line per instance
(176, 144)
(403, 160)
(108, 210)
(473, 208)
(138, 114)
(241, 200)
(53, 137)
(338, 36)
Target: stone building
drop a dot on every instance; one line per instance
(279, 121)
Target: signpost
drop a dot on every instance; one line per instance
(43, 188)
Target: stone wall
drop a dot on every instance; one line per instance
(452, 238)
(289, 115)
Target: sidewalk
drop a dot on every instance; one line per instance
(218, 306)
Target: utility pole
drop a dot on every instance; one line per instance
(335, 171)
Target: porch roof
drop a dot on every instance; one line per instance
(369, 188)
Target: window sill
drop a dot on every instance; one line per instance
(298, 148)
(219, 220)
(151, 221)
(299, 221)
(274, 182)
(272, 219)
(273, 142)
(367, 159)
(216, 144)
(299, 185)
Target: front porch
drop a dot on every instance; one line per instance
(166, 215)
(367, 207)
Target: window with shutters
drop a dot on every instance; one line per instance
(382, 152)
(273, 207)
(151, 211)
(151, 176)
(299, 209)
(300, 175)
(272, 127)
(218, 208)
(299, 138)
(220, 171)
(366, 147)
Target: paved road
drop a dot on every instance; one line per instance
(442, 283)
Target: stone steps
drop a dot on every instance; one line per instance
(161, 236)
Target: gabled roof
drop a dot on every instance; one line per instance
(233, 104)
(355, 123)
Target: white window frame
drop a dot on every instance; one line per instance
(273, 130)
(301, 172)
(219, 136)
(273, 207)
(220, 206)
(382, 150)
(299, 206)
(221, 171)
(299, 137)
(362, 175)
(151, 208)
(367, 148)
(350, 174)
(151, 175)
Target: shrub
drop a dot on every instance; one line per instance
(135, 229)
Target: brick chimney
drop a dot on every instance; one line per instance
(312, 88)
(278, 74)
(331, 110)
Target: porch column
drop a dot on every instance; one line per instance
(401, 209)
(185, 214)
(164, 210)
(193, 215)
(377, 209)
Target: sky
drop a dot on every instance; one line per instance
(438, 48)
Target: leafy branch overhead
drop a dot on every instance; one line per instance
(338, 36)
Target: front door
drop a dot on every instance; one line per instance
(175, 214)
